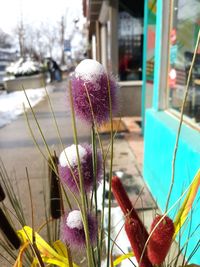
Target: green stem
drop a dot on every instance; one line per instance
(50, 162)
(102, 215)
(110, 175)
(59, 137)
(94, 161)
(181, 120)
(100, 243)
(82, 191)
(52, 165)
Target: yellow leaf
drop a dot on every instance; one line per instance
(48, 254)
(187, 204)
(57, 262)
(44, 248)
(50, 261)
(123, 257)
(60, 248)
(18, 262)
(34, 263)
(54, 262)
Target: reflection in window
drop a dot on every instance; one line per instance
(183, 35)
(130, 47)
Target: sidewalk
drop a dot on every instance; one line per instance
(127, 165)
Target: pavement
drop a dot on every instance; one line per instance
(128, 165)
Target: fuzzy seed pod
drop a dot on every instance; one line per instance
(2, 194)
(55, 190)
(135, 236)
(85, 155)
(134, 227)
(161, 239)
(121, 195)
(91, 74)
(8, 231)
(126, 205)
(72, 229)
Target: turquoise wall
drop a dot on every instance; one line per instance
(160, 130)
(160, 135)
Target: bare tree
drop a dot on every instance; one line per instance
(20, 31)
(62, 36)
(34, 46)
(40, 44)
(50, 35)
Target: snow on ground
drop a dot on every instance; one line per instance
(11, 104)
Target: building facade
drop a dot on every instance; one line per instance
(150, 46)
(171, 31)
(116, 38)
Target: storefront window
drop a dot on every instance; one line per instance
(130, 36)
(150, 52)
(183, 36)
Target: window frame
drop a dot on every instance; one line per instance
(163, 102)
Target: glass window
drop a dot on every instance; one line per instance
(183, 36)
(150, 52)
(130, 37)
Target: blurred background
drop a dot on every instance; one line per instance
(40, 34)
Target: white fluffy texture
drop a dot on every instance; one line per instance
(70, 154)
(89, 69)
(74, 220)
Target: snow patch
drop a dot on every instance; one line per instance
(74, 220)
(118, 232)
(23, 67)
(11, 104)
(89, 69)
(70, 154)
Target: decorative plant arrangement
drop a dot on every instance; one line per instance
(23, 67)
(74, 223)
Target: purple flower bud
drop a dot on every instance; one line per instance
(72, 229)
(72, 180)
(91, 74)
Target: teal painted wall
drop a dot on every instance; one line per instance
(160, 130)
(160, 134)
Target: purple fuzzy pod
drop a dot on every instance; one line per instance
(97, 87)
(75, 237)
(87, 172)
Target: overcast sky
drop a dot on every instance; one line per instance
(37, 11)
